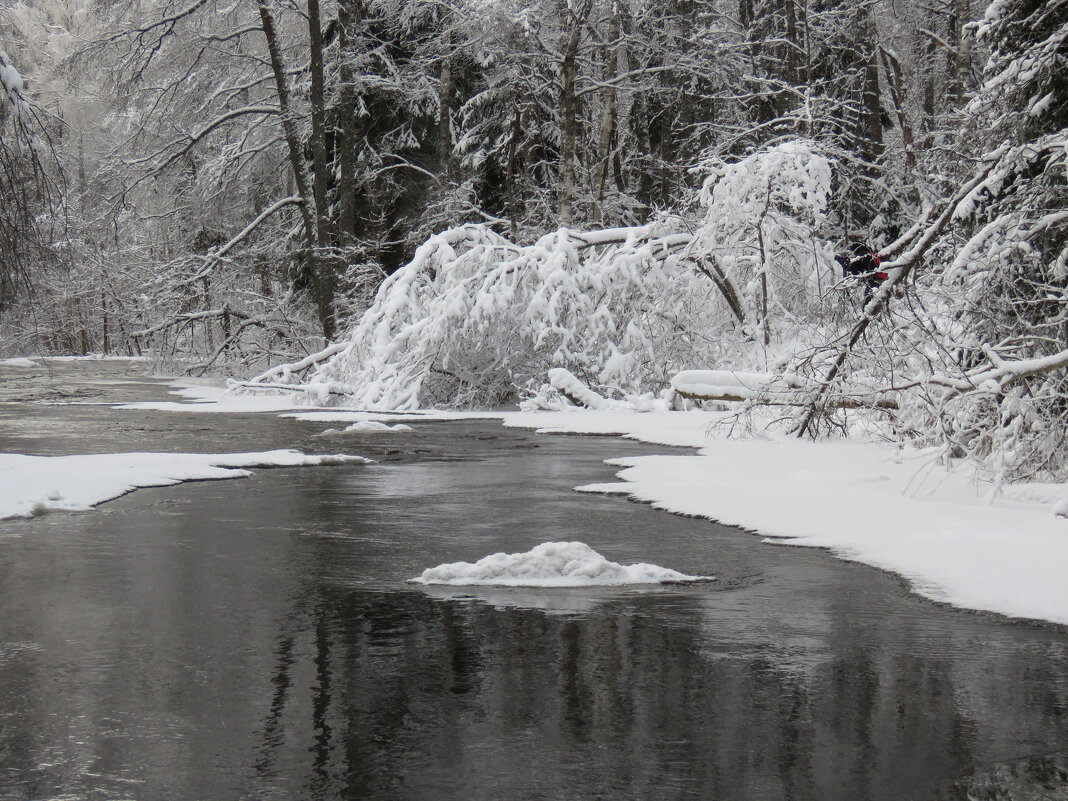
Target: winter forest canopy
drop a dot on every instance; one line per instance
(403, 203)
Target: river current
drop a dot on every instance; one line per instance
(257, 638)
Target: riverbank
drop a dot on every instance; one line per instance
(877, 504)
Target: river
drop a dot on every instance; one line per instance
(256, 638)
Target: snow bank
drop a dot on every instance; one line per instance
(880, 505)
(19, 362)
(34, 485)
(220, 400)
(551, 564)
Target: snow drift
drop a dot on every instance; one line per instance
(551, 564)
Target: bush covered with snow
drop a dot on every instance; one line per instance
(477, 320)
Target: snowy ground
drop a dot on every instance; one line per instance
(870, 503)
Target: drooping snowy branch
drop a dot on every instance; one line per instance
(14, 102)
(475, 319)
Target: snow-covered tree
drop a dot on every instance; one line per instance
(1008, 266)
(475, 319)
(26, 189)
(971, 326)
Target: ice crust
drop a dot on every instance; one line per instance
(551, 564)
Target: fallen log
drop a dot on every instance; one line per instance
(765, 389)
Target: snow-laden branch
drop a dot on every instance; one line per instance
(285, 372)
(215, 256)
(189, 141)
(899, 270)
(996, 378)
(167, 22)
(182, 319)
(11, 96)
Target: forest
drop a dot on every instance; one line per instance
(398, 204)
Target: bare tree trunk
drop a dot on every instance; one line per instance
(512, 165)
(569, 114)
(963, 14)
(765, 324)
(350, 16)
(873, 128)
(309, 272)
(793, 44)
(446, 91)
(608, 115)
(325, 278)
(895, 80)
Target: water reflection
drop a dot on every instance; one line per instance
(416, 698)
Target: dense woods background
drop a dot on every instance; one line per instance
(229, 182)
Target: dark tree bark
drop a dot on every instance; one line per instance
(350, 16)
(608, 116)
(296, 158)
(325, 276)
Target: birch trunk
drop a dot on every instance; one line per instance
(569, 115)
(608, 117)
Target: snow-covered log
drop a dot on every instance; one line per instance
(736, 385)
(782, 389)
(564, 382)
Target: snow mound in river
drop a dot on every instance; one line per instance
(551, 564)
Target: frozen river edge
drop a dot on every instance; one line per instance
(870, 503)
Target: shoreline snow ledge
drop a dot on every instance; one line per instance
(872, 504)
(551, 564)
(34, 485)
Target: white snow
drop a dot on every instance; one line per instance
(34, 485)
(1060, 508)
(551, 564)
(214, 399)
(19, 362)
(367, 427)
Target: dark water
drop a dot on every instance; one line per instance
(255, 639)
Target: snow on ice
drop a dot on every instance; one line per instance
(34, 485)
(551, 564)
